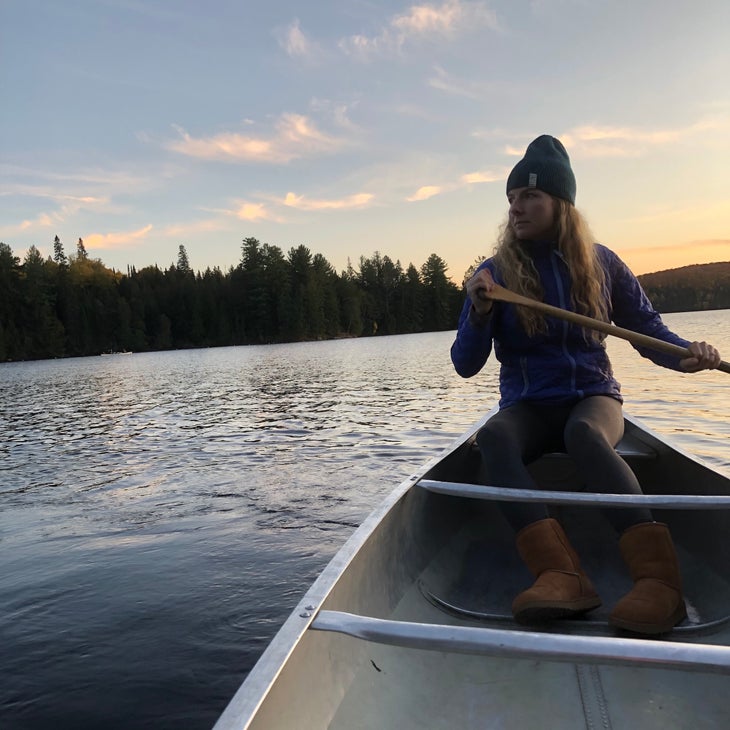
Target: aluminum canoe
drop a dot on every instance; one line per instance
(409, 626)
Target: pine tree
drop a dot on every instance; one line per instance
(183, 263)
(59, 255)
(441, 294)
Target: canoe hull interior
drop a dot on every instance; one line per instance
(422, 552)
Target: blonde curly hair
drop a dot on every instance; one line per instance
(576, 243)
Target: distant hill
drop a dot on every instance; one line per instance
(689, 288)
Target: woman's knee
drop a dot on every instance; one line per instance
(595, 421)
(494, 440)
(582, 432)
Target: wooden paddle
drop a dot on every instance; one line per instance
(635, 338)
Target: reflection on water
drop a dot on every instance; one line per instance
(690, 409)
(162, 513)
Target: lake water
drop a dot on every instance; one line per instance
(162, 513)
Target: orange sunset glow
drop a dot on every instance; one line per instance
(658, 258)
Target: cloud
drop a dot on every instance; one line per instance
(252, 212)
(67, 203)
(296, 44)
(599, 141)
(443, 81)
(336, 111)
(68, 206)
(39, 191)
(244, 210)
(116, 240)
(421, 22)
(591, 141)
(65, 194)
(295, 136)
(425, 192)
(594, 141)
(470, 178)
(42, 220)
(450, 17)
(300, 202)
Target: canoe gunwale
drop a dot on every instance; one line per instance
(589, 499)
(704, 658)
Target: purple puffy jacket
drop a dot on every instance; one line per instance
(561, 366)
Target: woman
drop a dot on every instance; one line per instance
(558, 391)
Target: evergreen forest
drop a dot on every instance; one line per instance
(73, 305)
(689, 288)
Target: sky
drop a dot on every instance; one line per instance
(352, 126)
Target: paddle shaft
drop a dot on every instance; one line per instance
(635, 338)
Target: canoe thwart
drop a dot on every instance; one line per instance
(705, 658)
(592, 499)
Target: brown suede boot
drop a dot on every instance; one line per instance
(655, 604)
(562, 589)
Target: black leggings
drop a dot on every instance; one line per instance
(588, 431)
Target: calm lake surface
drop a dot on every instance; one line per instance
(162, 513)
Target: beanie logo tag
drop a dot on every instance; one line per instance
(532, 180)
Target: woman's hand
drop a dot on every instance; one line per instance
(704, 357)
(477, 289)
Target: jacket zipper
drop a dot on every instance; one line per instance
(565, 326)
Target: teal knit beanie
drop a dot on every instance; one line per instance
(545, 166)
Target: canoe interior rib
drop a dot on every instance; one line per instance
(410, 625)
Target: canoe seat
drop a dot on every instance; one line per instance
(629, 448)
(708, 658)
